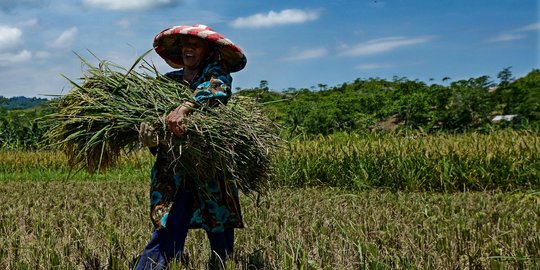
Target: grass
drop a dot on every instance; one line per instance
(504, 160)
(104, 224)
(53, 166)
(440, 162)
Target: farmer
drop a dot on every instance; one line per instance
(205, 60)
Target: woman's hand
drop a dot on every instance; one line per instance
(148, 135)
(175, 119)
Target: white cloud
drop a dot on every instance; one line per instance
(530, 27)
(129, 4)
(287, 16)
(507, 37)
(29, 23)
(123, 23)
(65, 39)
(42, 54)
(308, 54)
(382, 45)
(10, 58)
(375, 66)
(515, 34)
(10, 43)
(10, 37)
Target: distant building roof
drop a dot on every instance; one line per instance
(507, 117)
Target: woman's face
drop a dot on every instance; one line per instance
(194, 51)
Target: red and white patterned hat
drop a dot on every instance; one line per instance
(167, 46)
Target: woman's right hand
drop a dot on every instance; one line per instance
(175, 119)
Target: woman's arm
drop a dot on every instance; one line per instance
(210, 93)
(212, 88)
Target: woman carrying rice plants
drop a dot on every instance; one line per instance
(178, 203)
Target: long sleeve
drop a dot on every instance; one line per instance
(213, 86)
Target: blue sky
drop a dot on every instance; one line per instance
(288, 43)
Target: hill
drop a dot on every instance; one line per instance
(21, 102)
(373, 103)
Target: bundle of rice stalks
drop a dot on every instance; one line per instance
(98, 120)
(236, 141)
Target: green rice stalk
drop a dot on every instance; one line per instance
(98, 120)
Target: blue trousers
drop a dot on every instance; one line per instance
(167, 243)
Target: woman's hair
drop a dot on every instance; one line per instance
(214, 55)
(213, 52)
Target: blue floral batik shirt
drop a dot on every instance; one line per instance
(215, 206)
(213, 83)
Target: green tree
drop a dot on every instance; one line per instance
(263, 85)
(469, 105)
(505, 76)
(526, 97)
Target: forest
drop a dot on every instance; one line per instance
(370, 104)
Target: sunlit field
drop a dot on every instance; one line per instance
(104, 224)
(341, 202)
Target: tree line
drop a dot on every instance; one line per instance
(363, 105)
(403, 104)
(20, 102)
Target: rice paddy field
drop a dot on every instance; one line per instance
(346, 201)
